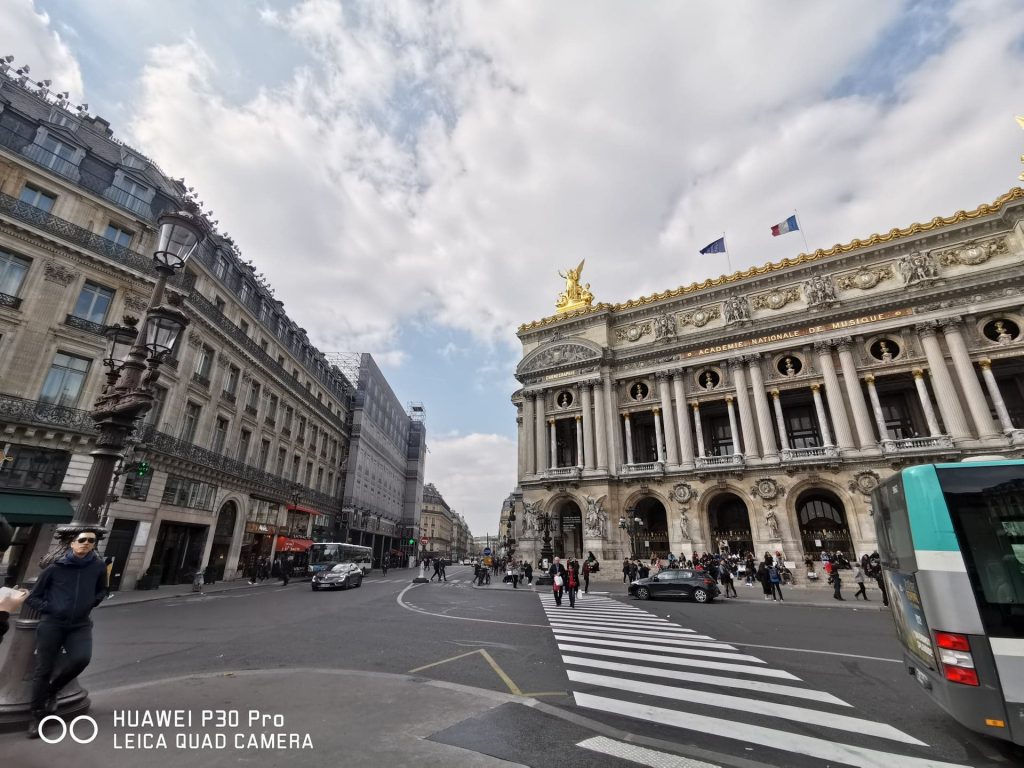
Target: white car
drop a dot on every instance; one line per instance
(466, 561)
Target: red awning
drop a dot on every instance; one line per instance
(284, 544)
(307, 510)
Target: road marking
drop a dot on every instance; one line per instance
(570, 615)
(808, 650)
(588, 625)
(591, 615)
(847, 754)
(399, 598)
(644, 647)
(719, 665)
(509, 682)
(775, 689)
(642, 755)
(784, 711)
(658, 640)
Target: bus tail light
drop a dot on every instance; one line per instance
(955, 655)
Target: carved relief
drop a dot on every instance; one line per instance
(864, 279)
(917, 268)
(665, 326)
(973, 252)
(767, 489)
(864, 482)
(55, 272)
(634, 332)
(736, 308)
(819, 291)
(135, 302)
(596, 516)
(698, 318)
(563, 354)
(776, 298)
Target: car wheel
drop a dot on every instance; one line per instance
(360, 582)
(700, 595)
(316, 588)
(643, 593)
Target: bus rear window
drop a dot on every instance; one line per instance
(986, 505)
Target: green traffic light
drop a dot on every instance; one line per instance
(412, 541)
(142, 469)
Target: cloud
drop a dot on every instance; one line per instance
(30, 36)
(474, 473)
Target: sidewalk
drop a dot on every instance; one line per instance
(130, 597)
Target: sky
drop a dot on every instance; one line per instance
(411, 176)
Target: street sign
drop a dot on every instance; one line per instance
(487, 550)
(423, 541)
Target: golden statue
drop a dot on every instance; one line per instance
(575, 296)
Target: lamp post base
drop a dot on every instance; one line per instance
(422, 578)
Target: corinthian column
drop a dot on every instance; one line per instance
(739, 378)
(629, 439)
(980, 413)
(541, 433)
(614, 434)
(819, 409)
(764, 414)
(670, 423)
(731, 409)
(844, 438)
(554, 443)
(683, 419)
(527, 436)
(945, 392)
(997, 397)
(588, 428)
(876, 406)
(698, 430)
(780, 420)
(926, 403)
(579, 440)
(865, 438)
(659, 452)
(600, 426)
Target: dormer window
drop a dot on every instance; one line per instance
(59, 156)
(131, 194)
(132, 161)
(62, 118)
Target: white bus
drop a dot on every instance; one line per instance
(325, 555)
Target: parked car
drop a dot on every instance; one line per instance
(692, 585)
(343, 576)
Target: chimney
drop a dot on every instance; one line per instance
(102, 126)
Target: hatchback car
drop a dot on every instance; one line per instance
(692, 585)
(341, 576)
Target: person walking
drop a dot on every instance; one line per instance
(836, 581)
(627, 568)
(858, 576)
(586, 577)
(528, 572)
(250, 567)
(108, 566)
(444, 576)
(762, 577)
(65, 594)
(557, 573)
(725, 576)
(572, 583)
(517, 574)
(11, 600)
(437, 569)
(876, 573)
(385, 562)
(775, 581)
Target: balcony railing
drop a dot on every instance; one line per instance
(228, 396)
(730, 461)
(816, 453)
(918, 444)
(83, 325)
(7, 300)
(16, 410)
(128, 200)
(44, 157)
(563, 472)
(643, 468)
(201, 380)
(251, 410)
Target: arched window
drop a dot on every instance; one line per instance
(820, 511)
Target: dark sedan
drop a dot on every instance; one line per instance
(341, 576)
(692, 585)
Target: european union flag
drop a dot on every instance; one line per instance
(716, 247)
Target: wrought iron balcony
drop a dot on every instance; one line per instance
(203, 381)
(918, 445)
(82, 324)
(727, 462)
(827, 453)
(7, 300)
(642, 468)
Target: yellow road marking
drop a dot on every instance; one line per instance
(512, 687)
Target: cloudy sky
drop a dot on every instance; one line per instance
(412, 175)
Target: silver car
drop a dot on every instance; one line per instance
(343, 576)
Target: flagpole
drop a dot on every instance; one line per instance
(728, 261)
(801, 228)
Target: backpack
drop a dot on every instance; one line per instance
(773, 574)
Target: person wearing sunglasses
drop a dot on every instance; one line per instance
(64, 595)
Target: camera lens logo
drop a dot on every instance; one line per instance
(70, 729)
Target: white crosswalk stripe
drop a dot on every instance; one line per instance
(620, 659)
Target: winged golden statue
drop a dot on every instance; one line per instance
(575, 296)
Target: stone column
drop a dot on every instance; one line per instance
(588, 428)
(528, 436)
(614, 434)
(844, 437)
(683, 419)
(660, 449)
(731, 408)
(980, 414)
(579, 440)
(876, 406)
(945, 392)
(997, 397)
(764, 414)
(865, 437)
(926, 403)
(554, 443)
(600, 426)
(780, 421)
(698, 430)
(819, 409)
(541, 435)
(746, 414)
(672, 453)
(629, 439)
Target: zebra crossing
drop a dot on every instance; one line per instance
(621, 659)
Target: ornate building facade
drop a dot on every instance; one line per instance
(757, 411)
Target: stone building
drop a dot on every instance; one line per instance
(436, 523)
(243, 454)
(757, 411)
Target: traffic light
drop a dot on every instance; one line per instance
(142, 468)
(412, 541)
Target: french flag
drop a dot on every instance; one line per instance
(789, 225)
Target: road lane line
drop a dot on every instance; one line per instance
(784, 711)
(657, 640)
(775, 689)
(772, 738)
(584, 625)
(827, 653)
(719, 665)
(642, 755)
(662, 649)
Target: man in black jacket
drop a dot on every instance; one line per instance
(557, 572)
(64, 595)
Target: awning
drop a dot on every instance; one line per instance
(284, 544)
(27, 509)
(297, 508)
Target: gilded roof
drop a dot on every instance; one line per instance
(985, 209)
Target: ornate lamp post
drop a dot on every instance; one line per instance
(546, 552)
(632, 525)
(133, 362)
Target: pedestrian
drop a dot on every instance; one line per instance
(385, 561)
(437, 569)
(876, 572)
(836, 581)
(250, 567)
(444, 576)
(627, 569)
(10, 599)
(858, 577)
(65, 594)
(572, 582)
(557, 573)
(586, 577)
(263, 569)
(275, 569)
(528, 572)
(750, 569)
(725, 576)
(517, 574)
(762, 576)
(108, 566)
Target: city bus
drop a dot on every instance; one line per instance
(951, 545)
(325, 555)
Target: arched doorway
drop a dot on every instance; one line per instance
(567, 530)
(222, 536)
(652, 538)
(823, 525)
(730, 525)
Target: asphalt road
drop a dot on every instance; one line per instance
(751, 683)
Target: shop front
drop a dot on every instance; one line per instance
(294, 552)
(258, 543)
(178, 553)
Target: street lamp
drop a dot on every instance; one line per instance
(134, 368)
(546, 552)
(632, 525)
